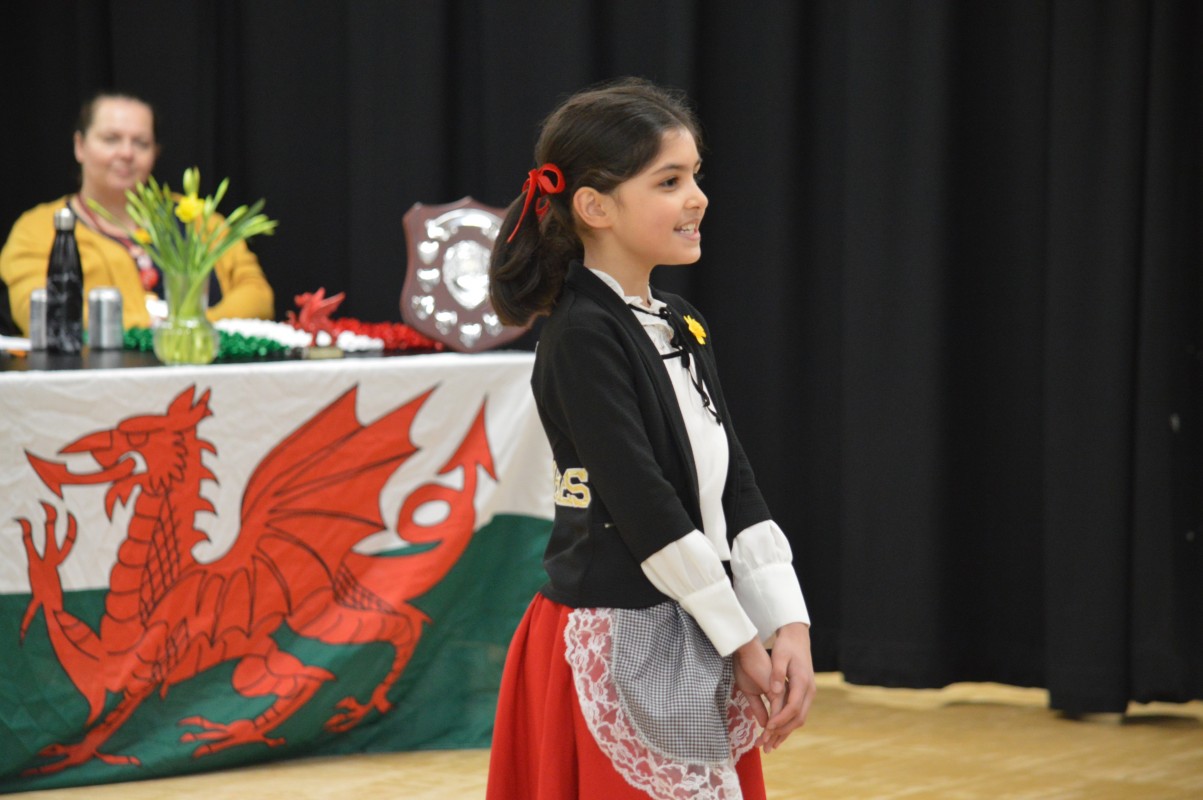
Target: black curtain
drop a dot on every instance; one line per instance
(952, 265)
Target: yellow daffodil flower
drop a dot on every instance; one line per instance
(188, 208)
(192, 251)
(696, 329)
(186, 255)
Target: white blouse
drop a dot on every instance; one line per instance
(765, 594)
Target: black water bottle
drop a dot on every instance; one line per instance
(64, 288)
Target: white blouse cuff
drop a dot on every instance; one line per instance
(765, 582)
(690, 572)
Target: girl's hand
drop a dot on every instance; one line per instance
(791, 684)
(753, 675)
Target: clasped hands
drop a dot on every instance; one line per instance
(779, 686)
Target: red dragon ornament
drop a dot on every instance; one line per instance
(314, 315)
(168, 617)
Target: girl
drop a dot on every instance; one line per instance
(640, 669)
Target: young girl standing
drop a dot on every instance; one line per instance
(640, 669)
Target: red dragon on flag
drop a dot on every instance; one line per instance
(168, 617)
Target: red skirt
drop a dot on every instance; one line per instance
(543, 748)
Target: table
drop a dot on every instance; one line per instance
(208, 566)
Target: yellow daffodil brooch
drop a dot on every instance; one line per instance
(696, 329)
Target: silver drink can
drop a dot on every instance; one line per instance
(105, 329)
(37, 319)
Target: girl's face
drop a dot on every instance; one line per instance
(118, 150)
(658, 213)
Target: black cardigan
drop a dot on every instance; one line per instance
(626, 484)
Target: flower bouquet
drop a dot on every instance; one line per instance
(185, 237)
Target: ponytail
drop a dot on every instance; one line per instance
(529, 261)
(599, 138)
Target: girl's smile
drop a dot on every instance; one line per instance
(658, 213)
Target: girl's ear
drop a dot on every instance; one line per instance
(593, 208)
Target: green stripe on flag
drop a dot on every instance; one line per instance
(445, 698)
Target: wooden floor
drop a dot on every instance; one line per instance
(966, 741)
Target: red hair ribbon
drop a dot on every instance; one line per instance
(539, 181)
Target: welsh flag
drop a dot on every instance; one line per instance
(206, 567)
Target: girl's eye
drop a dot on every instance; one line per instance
(697, 177)
(670, 182)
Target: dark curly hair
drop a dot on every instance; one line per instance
(599, 137)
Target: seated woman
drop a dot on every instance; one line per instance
(116, 147)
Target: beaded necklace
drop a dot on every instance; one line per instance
(148, 274)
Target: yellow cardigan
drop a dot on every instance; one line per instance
(245, 292)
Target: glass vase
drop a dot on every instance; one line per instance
(186, 336)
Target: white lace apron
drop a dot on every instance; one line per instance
(660, 701)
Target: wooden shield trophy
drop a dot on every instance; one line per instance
(446, 291)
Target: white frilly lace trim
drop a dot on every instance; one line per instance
(587, 640)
